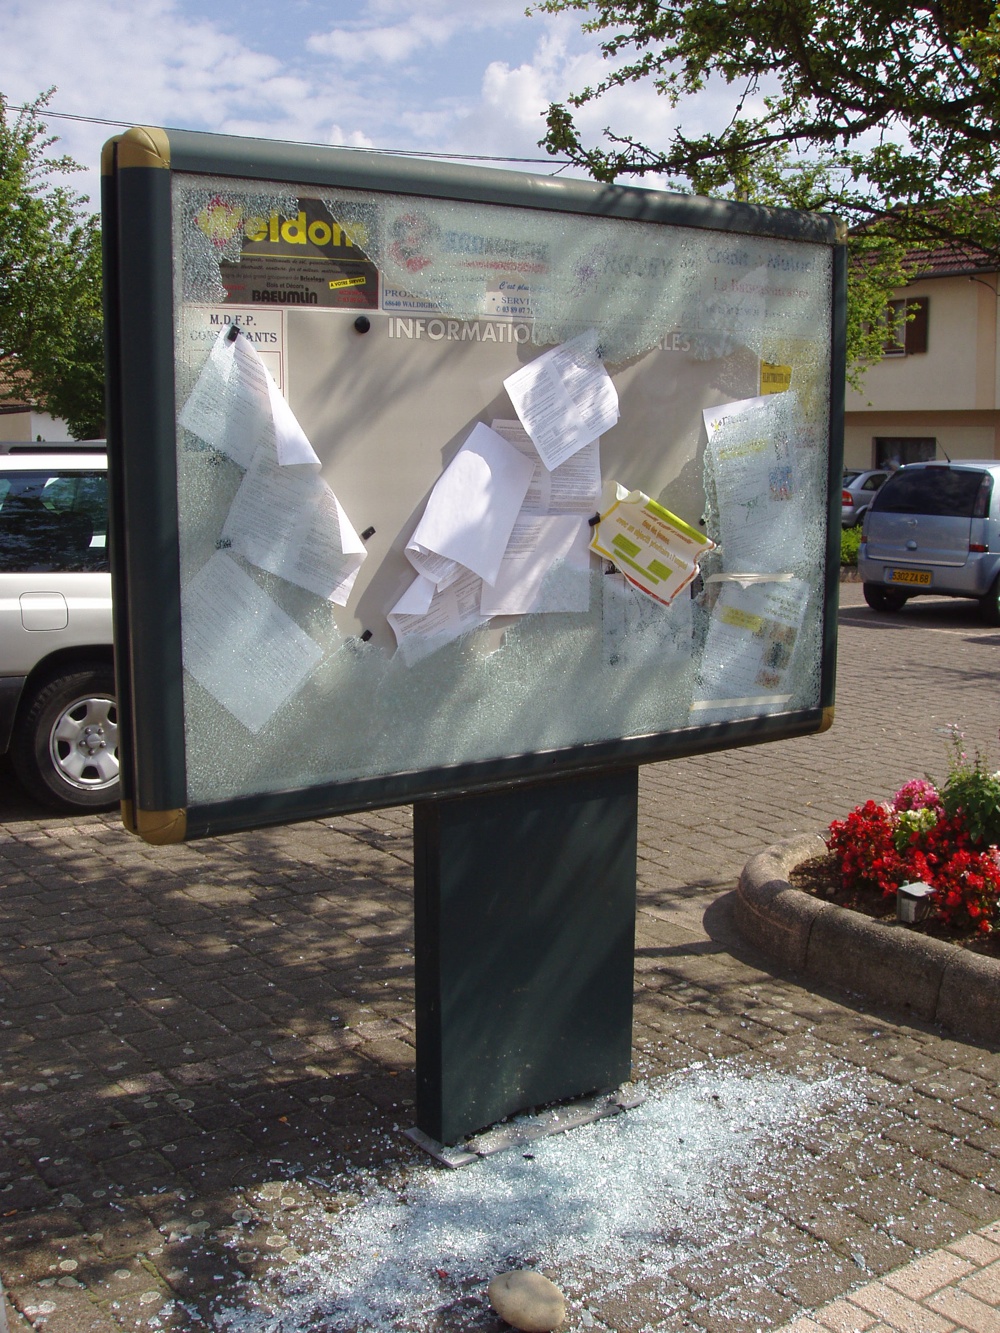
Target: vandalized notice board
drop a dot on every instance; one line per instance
(430, 478)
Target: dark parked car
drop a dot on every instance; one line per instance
(934, 528)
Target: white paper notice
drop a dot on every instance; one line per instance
(450, 614)
(749, 646)
(240, 646)
(546, 567)
(235, 406)
(574, 487)
(289, 437)
(288, 521)
(230, 405)
(759, 494)
(471, 510)
(564, 398)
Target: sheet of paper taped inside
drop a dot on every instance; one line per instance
(749, 649)
(653, 548)
(574, 487)
(757, 476)
(240, 646)
(287, 520)
(470, 294)
(471, 510)
(452, 612)
(545, 568)
(564, 398)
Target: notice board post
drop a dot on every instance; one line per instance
(472, 490)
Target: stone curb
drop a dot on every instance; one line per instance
(935, 981)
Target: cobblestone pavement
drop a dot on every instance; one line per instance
(197, 1042)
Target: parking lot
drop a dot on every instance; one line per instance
(202, 1047)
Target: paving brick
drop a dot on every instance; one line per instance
(984, 1285)
(980, 1249)
(965, 1311)
(898, 1310)
(928, 1274)
(845, 1317)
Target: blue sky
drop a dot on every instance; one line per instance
(454, 76)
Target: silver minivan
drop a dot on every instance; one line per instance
(934, 528)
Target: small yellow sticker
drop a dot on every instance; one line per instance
(336, 283)
(774, 379)
(735, 615)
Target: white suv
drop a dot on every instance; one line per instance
(58, 719)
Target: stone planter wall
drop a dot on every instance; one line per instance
(885, 962)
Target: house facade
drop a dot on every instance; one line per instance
(935, 393)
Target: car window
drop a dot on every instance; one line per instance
(53, 521)
(850, 476)
(873, 482)
(945, 492)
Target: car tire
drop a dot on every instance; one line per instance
(64, 747)
(882, 599)
(990, 604)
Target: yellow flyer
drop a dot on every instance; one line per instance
(655, 550)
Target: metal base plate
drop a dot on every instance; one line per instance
(525, 1129)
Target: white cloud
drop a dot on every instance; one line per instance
(393, 44)
(472, 76)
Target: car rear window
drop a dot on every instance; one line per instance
(943, 491)
(53, 521)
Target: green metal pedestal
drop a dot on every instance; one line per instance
(525, 932)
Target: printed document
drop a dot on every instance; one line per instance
(748, 649)
(655, 550)
(752, 461)
(448, 614)
(574, 487)
(235, 406)
(546, 567)
(564, 398)
(288, 521)
(471, 510)
(239, 645)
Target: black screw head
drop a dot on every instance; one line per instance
(362, 323)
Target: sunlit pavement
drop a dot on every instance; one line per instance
(203, 1047)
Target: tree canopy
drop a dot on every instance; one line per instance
(51, 328)
(884, 112)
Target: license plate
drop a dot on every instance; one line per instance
(921, 576)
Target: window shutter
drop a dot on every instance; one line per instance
(915, 332)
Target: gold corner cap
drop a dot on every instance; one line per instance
(827, 721)
(161, 827)
(144, 146)
(128, 817)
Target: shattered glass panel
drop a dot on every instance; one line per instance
(389, 325)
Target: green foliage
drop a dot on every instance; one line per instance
(973, 791)
(850, 540)
(51, 328)
(886, 114)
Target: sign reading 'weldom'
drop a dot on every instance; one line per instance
(308, 259)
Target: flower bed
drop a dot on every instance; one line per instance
(946, 837)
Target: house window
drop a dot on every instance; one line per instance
(909, 338)
(893, 451)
